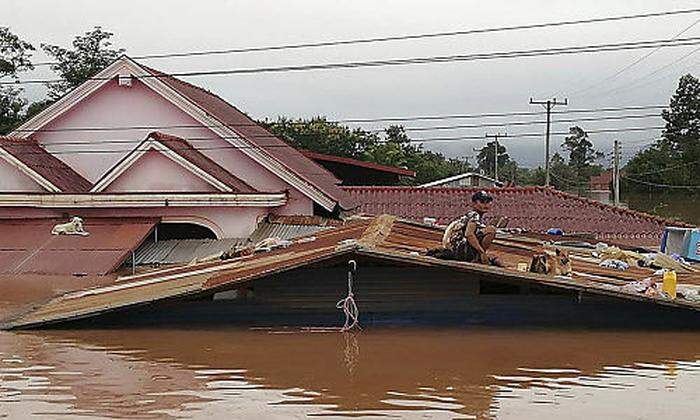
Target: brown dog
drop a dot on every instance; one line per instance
(552, 261)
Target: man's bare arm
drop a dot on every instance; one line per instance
(470, 234)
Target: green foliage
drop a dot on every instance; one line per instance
(671, 159)
(394, 149)
(11, 108)
(486, 159)
(91, 53)
(582, 155)
(322, 136)
(15, 54)
(15, 57)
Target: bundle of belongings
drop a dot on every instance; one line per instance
(243, 250)
(619, 259)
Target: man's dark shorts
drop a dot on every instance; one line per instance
(468, 253)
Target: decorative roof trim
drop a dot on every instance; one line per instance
(108, 200)
(152, 144)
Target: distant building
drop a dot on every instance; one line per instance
(357, 172)
(467, 179)
(601, 183)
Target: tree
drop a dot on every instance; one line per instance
(15, 57)
(682, 132)
(12, 108)
(91, 53)
(486, 159)
(323, 136)
(395, 148)
(582, 154)
(15, 54)
(670, 160)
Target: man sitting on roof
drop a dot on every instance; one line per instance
(468, 238)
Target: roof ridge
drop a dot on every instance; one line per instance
(165, 138)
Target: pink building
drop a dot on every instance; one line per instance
(134, 142)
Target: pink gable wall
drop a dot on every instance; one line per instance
(14, 180)
(115, 106)
(155, 172)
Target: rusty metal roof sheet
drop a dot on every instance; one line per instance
(27, 245)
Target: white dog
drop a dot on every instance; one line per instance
(74, 227)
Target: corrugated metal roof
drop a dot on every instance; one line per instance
(27, 245)
(178, 251)
(284, 231)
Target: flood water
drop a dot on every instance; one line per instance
(395, 373)
(677, 205)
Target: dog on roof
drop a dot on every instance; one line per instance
(74, 227)
(552, 261)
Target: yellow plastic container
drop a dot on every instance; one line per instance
(669, 285)
(522, 266)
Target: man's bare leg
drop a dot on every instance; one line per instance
(489, 236)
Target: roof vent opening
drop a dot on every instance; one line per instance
(124, 80)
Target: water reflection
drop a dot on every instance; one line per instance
(268, 373)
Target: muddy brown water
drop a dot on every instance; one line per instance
(390, 372)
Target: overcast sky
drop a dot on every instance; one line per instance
(159, 26)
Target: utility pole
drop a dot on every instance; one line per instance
(548, 105)
(616, 173)
(495, 152)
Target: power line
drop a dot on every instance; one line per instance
(528, 123)
(634, 84)
(669, 186)
(526, 135)
(269, 146)
(405, 37)
(637, 45)
(634, 63)
(355, 120)
(670, 168)
(376, 131)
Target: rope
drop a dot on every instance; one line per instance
(352, 314)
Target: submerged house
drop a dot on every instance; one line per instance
(167, 175)
(134, 142)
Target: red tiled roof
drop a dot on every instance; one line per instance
(354, 162)
(30, 153)
(238, 121)
(534, 208)
(197, 158)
